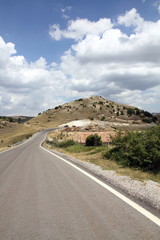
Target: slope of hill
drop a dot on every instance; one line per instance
(12, 132)
(93, 108)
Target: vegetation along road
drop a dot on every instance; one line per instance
(43, 197)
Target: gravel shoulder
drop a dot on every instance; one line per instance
(147, 192)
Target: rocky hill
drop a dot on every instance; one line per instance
(93, 108)
(13, 130)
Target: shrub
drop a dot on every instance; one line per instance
(138, 112)
(154, 119)
(101, 103)
(103, 118)
(56, 108)
(91, 118)
(28, 136)
(147, 114)
(122, 113)
(146, 120)
(139, 150)
(19, 120)
(130, 111)
(10, 119)
(93, 140)
(65, 144)
(79, 148)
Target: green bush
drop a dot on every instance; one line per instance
(91, 118)
(130, 111)
(122, 113)
(28, 136)
(65, 144)
(101, 103)
(137, 149)
(10, 119)
(57, 107)
(79, 148)
(146, 120)
(103, 118)
(93, 140)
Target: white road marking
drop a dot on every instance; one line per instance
(140, 209)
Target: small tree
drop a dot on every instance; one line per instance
(10, 119)
(93, 140)
(103, 118)
(19, 120)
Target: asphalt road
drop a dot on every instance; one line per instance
(44, 198)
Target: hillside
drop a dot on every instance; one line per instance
(93, 108)
(12, 132)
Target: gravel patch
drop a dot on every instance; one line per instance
(88, 122)
(148, 191)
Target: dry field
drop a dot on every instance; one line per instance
(13, 133)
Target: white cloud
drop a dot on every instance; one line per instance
(131, 18)
(103, 60)
(80, 28)
(25, 88)
(156, 4)
(110, 62)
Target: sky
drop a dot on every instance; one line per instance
(56, 51)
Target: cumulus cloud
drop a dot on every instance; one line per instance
(104, 59)
(26, 88)
(108, 61)
(80, 28)
(131, 18)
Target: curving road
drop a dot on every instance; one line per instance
(44, 198)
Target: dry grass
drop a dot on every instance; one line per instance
(14, 133)
(88, 108)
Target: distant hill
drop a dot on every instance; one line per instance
(94, 107)
(19, 119)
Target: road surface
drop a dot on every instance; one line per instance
(44, 198)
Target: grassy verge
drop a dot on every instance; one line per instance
(96, 155)
(12, 135)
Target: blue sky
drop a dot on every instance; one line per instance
(42, 40)
(26, 22)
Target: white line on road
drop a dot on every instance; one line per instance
(140, 209)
